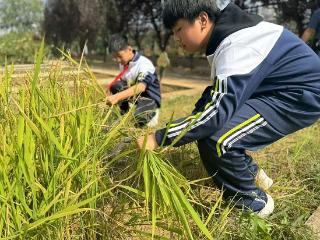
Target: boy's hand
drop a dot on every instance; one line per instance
(108, 92)
(151, 143)
(112, 99)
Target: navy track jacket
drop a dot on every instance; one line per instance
(142, 70)
(257, 63)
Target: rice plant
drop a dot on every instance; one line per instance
(50, 150)
(63, 175)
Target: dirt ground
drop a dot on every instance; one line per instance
(172, 85)
(176, 81)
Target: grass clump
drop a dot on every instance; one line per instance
(68, 170)
(51, 148)
(163, 190)
(62, 175)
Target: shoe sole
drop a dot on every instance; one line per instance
(268, 208)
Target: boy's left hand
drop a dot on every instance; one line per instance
(112, 99)
(151, 142)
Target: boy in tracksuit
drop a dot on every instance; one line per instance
(266, 85)
(138, 78)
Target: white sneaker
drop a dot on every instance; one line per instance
(154, 121)
(268, 208)
(263, 181)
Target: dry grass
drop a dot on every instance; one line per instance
(292, 162)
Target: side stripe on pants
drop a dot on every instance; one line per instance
(238, 132)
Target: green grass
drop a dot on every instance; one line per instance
(292, 162)
(60, 178)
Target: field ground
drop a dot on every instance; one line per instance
(292, 162)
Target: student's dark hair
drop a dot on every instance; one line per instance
(173, 10)
(118, 42)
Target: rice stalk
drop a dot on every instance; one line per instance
(163, 190)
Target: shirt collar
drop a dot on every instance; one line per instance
(136, 56)
(230, 20)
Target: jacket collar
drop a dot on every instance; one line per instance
(230, 20)
(135, 57)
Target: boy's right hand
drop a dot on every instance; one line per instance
(112, 100)
(108, 92)
(151, 142)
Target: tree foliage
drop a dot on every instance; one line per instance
(126, 17)
(20, 15)
(67, 21)
(291, 10)
(19, 47)
(135, 18)
(152, 10)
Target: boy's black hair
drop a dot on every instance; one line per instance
(118, 42)
(174, 10)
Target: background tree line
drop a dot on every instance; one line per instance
(78, 21)
(72, 23)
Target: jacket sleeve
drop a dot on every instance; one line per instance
(235, 82)
(315, 20)
(146, 73)
(147, 78)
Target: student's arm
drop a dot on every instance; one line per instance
(151, 141)
(232, 88)
(144, 78)
(130, 92)
(309, 33)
